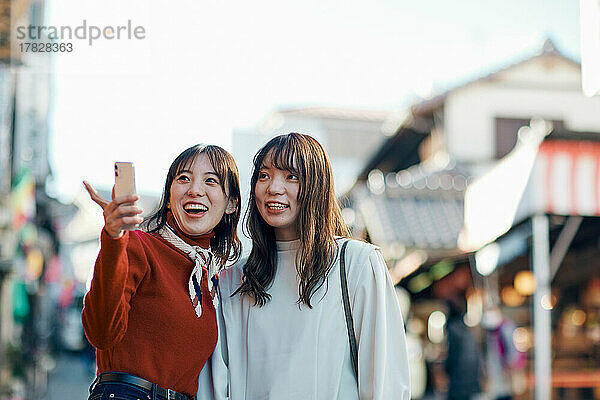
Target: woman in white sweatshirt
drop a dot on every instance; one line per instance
(282, 326)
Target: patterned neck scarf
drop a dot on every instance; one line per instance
(203, 260)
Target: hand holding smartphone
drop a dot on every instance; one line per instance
(125, 184)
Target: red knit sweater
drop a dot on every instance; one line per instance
(139, 316)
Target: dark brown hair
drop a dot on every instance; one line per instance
(225, 244)
(319, 219)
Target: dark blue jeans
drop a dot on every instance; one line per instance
(119, 391)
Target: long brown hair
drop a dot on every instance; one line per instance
(319, 219)
(225, 244)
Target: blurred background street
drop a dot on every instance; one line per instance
(70, 375)
(464, 138)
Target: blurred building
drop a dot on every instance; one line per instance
(350, 137)
(463, 200)
(28, 243)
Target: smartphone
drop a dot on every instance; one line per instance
(125, 183)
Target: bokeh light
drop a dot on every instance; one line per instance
(435, 326)
(511, 297)
(522, 339)
(525, 283)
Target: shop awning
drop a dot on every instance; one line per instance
(560, 177)
(502, 197)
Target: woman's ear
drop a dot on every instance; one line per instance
(231, 205)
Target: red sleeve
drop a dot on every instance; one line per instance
(119, 269)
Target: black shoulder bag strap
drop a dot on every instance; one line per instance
(348, 312)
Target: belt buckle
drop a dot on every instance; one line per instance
(171, 394)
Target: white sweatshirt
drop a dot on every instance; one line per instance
(283, 351)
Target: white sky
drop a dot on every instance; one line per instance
(206, 67)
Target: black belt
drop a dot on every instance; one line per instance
(123, 377)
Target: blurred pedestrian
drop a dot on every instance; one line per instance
(283, 332)
(462, 365)
(503, 361)
(414, 345)
(150, 312)
(416, 361)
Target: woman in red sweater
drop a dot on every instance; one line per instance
(150, 311)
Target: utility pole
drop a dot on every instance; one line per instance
(542, 328)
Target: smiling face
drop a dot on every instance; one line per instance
(276, 194)
(198, 199)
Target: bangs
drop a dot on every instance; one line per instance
(185, 164)
(282, 157)
(220, 165)
(186, 160)
(217, 161)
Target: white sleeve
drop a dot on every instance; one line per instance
(382, 353)
(213, 383)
